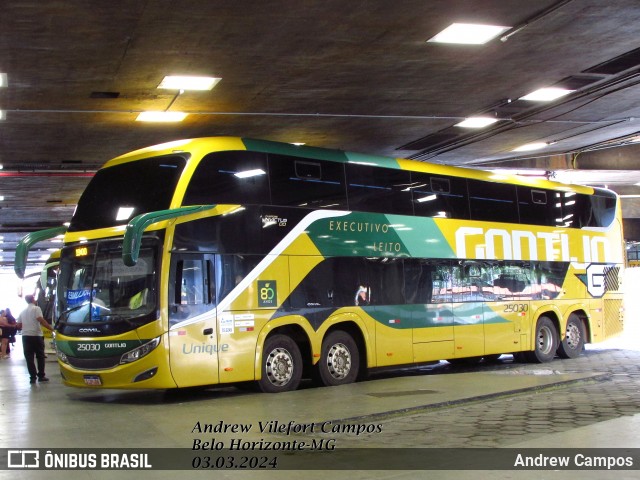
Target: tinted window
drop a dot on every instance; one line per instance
(191, 287)
(306, 183)
(229, 178)
(444, 197)
(538, 207)
(385, 281)
(239, 232)
(231, 270)
(427, 281)
(373, 189)
(143, 186)
(587, 210)
(334, 282)
(492, 202)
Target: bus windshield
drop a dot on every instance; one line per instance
(126, 190)
(96, 286)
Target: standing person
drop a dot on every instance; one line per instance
(29, 322)
(12, 330)
(4, 326)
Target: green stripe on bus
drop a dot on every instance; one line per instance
(378, 235)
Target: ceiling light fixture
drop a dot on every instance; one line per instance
(547, 94)
(476, 122)
(4, 81)
(468, 33)
(530, 146)
(185, 82)
(161, 117)
(250, 173)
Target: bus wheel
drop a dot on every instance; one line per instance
(546, 341)
(281, 365)
(573, 342)
(340, 360)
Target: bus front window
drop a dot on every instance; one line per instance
(100, 288)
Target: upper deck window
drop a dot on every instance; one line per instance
(229, 178)
(306, 183)
(375, 189)
(134, 187)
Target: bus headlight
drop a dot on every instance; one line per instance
(61, 356)
(141, 351)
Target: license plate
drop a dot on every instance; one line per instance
(93, 380)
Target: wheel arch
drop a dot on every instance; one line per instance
(353, 329)
(296, 332)
(553, 314)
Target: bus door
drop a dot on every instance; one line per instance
(468, 316)
(193, 336)
(507, 310)
(379, 293)
(428, 290)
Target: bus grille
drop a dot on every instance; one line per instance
(94, 363)
(613, 317)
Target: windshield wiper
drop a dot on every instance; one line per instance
(72, 309)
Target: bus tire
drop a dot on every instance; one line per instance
(573, 342)
(281, 365)
(339, 359)
(546, 341)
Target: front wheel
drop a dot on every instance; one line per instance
(339, 361)
(281, 365)
(546, 339)
(573, 342)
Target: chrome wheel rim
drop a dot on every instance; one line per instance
(545, 340)
(339, 361)
(572, 338)
(279, 366)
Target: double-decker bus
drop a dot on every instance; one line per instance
(223, 260)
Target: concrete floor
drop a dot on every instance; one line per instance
(589, 402)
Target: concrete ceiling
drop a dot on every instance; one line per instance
(356, 75)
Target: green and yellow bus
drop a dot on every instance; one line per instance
(223, 260)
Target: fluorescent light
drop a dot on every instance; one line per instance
(4, 82)
(428, 198)
(298, 144)
(476, 122)
(124, 213)
(546, 94)
(185, 82)
(161, 117)
(3, 115)
(530, 146)
(250, 173)
(468, 33)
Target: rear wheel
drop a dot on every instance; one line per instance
(573, 342)
(281, 365)
(546, 341)
(339, 360)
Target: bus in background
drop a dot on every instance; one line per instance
(222, 260)
(45, 296)
(633, 254)
(44, 291)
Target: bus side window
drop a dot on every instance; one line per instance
(191, 289)
(374, 189)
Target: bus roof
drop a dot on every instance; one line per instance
(201, 146)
